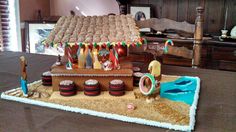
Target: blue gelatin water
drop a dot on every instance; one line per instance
(182, 89)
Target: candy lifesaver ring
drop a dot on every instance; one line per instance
(144, 89)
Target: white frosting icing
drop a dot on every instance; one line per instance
(66, 82)
(91, 82)
(138, 74)
(47, 73)
(136, 69)
(116, 81)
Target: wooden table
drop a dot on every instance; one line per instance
(216, 107)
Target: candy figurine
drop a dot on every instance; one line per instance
(149, 83)
(104, 53)
(78, 52)
(155, 69)
(89, 61)
(107, 66)
(23, 79)
(96, 64)
(58, 60)
(81, 59)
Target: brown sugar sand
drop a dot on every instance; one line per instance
(160, 109)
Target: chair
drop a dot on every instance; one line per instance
(181, 27)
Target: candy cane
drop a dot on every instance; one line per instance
(69, 63)
(169, 41)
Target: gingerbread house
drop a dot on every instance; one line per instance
(93, 46)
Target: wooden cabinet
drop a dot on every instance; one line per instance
(222, 56)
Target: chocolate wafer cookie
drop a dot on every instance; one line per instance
(137, 76)
(47, 78)
(91, 87)
(116, 88)
(67, 88)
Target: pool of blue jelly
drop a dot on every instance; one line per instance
(182, 89)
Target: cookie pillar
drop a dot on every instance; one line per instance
(23, 81)
(47, 78)
(91, 87)
(67, 88)
(116, 87)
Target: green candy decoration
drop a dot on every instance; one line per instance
(138, 45)
(95, 44)
(43, 41)
(145, 41)
(123, 43)
(80, 44)
(66, 44)
(51, 44)
(108, 44)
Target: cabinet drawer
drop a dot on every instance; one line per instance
(224, 53)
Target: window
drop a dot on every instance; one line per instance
(10, 25)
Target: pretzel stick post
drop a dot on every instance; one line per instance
(23, 79)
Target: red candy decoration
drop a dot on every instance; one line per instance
(133, 44)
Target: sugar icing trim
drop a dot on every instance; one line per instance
(47, 73)
(138, 74)
(66, 82)
(116, 81)
(92, 75)
(91, 82)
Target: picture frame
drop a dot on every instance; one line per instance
(141, 12)
(36, 33)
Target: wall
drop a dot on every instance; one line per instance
(88, 7)
(185, 10)
(29, 8)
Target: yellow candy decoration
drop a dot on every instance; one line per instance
(155, 68)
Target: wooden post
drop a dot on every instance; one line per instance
(198, 35)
